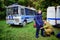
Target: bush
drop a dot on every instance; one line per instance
(44, 14)
(2, 15)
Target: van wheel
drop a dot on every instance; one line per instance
(24, 24)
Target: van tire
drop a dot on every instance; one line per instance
(24, 24)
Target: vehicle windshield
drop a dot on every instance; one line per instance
(12, 11)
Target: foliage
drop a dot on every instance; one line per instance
(38, 4)
(44, 15)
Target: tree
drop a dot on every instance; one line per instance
(38, 4)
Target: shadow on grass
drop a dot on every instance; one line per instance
(16, 26)
(56, 26)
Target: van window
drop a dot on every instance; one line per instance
(12, 11)
(22, 11)
(29, 11)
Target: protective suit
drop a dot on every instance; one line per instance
(48, 28)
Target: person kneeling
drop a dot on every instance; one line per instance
(48, 29)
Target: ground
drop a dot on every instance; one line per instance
(8, 32)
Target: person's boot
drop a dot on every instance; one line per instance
(37, 36)
(53, 33)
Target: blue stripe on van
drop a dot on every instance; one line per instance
(53, 18)
(27, 17)
(10, 17)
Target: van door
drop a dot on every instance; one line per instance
(51, 15)
(58, 15)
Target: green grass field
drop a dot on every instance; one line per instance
(8, 32)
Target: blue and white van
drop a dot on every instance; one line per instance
(53, 15)
(19, 15)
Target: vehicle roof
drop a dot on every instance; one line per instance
(14, 5)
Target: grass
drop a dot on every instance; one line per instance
(8, 32)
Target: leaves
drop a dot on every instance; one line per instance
(38, 4)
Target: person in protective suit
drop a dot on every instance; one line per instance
(48, 29)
